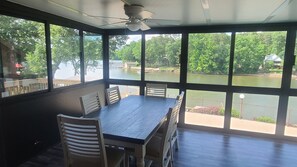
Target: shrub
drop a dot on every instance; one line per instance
(234, 113)
(265, 119)
(221, 111)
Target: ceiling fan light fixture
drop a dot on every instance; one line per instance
(133, 26)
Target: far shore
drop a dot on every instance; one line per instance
(176, 70)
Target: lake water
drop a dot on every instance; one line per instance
(251, 106)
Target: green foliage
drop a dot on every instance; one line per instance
(65, 47)
(163, 50)
(20, 33)
(221, 111)
(276, 70)
(269, 65)
(251, 49)
(92, 50)
(265, 119)
(116, 42)
(130, 52)
(234, 113)
(27, 39)
(36, 62)
(209, 53)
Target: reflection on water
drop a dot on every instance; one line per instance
(207, 79)
(162, 76)
(119, 73)
(66, 71)
(271, 81)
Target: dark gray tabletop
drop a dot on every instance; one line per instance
(134, 118)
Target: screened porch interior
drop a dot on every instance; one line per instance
(235, 61)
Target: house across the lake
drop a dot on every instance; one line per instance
(274, 59)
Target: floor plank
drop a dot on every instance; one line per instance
(207, 149)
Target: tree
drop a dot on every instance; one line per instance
(116, 42)
(20, 33)
(65, 47)
(163, 50)
(92, 50)
(249, 53)
(36, 61)
(251, 49)
(209, 53)
(27, 38)
(130, 52)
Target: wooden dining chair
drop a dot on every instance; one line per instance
(158, 148)
(153, 89)
(90, 103)
(83, 144)
(174, 135)
(174, 132)
(112, 95)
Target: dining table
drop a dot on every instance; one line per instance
(131, 122)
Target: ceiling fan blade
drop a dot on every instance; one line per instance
(126, 2)
(146, 14)
(144, 27)
(112, 24)
(107, 17)
(163, 22)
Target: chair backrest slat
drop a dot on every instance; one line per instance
(179, 101)
(153, 89)
(112, 95)
(169, 125)
(82, 140)
(90, 103)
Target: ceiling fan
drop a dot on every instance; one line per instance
(138, 17)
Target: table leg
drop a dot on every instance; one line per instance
(139, 155)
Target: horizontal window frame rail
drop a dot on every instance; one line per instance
(124, 82)
(235, 89)
(141, 83)
(210, 29)
(292, 92)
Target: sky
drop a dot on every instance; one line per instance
(138, 37)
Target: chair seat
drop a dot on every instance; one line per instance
(153, 147)
(114, 156)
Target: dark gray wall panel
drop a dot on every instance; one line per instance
(30, 125)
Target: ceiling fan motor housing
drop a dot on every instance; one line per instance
(133, 11)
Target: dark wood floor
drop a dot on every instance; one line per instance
(205, 149)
